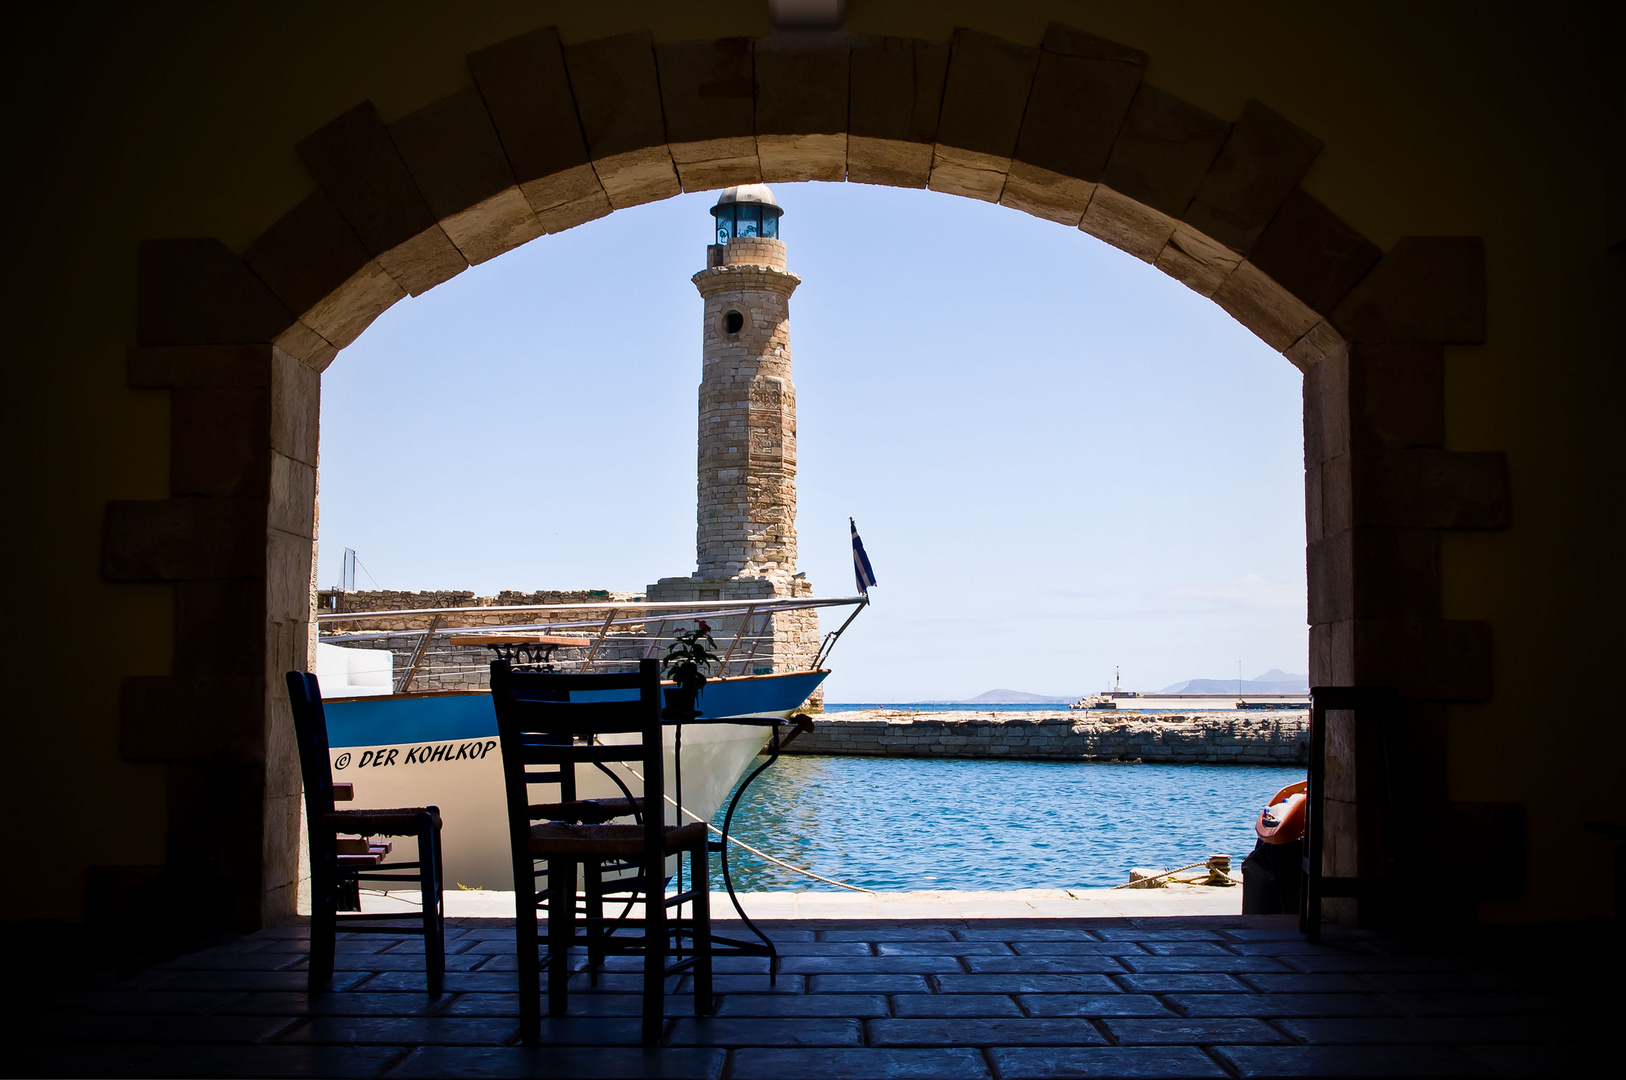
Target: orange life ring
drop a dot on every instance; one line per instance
(1282, 819)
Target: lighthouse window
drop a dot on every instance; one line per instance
(748, 220)
(770, 226)
(733, 321)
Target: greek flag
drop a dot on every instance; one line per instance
(861, 567)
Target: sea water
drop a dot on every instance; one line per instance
(903, 824)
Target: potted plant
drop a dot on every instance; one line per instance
(687, 661)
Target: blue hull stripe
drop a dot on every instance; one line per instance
(394, 721)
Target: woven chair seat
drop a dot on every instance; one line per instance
(589, 811)
(625, 841)
(400, 822)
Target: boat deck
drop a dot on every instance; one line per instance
(930, 996)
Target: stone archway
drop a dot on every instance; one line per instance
(547, 137)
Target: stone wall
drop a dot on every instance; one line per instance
(1203, 739)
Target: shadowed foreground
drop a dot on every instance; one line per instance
(1181, 996)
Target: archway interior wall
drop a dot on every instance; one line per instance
(548, 136)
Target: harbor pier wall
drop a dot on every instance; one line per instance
(1198, 739)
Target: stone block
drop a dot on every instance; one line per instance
(196, 292)
(357, 164)
(708, 98)
(1374, 574)
(527, 95)
(1126, 224)
(1316, 345)
(984, 96)
(1202, 265)
(1278, 317)
(801, 106)
(1163, 151)
(288, 574)
(217, 441)
(1397, 394)
(296, 405)
(1326, 410)
(618, 97)
(1430, 489)
(198, 365)
(1259, 166)
(314, 262)
(1082, 90)
(190, 717)
(220, 627)
(183, 539)
(1425, 659)
(1312, 254)
(1046, 194)
(896, 87)
(452, 150)
(1427, 288)
(292, 504)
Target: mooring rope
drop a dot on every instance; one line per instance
(1177, 870)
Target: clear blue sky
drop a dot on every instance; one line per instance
(1060, 459)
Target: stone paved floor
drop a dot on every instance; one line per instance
(1172, 996)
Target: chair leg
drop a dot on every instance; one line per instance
(561, 930)
(655, 942)
(525, 952)
(432, 893)
(699, 871)
(324, 923)
(593, 888)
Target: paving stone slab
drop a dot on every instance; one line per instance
(294, 1003)
(579, 1005)
(1203, 963)
(444, 1030)
(1033, 965)
(984, 1031)
(1173, 933)
(941, 1005)
(271, 1061)
(1024, 933)
(1272, 1005)
(1093, 1005)
(235, 960)
(1305, 984)
(269, 980)
(906, 933)
(1441, 982)
(1286, 933)
(127, 1001)
(455, 982)
(942, 948)
(1181, 982)
(1363, 963)
(346, 945)
(747, 984)
(402, 961)
(766, 1031)
(563, 1063)
(1191, 948)
(1040, 1063)
(869, 984)
(1286, 948)
(1197, 1030)
(821, 948)
(1078, 948)
(1429, 1029)
(1025, 983)
(876, 1063)
(912, 964)
(146, 1028)
(854, 1005)
(1350, 1061)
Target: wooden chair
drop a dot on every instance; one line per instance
(546, 736)
(338, 864)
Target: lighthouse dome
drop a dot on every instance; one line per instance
(746, 211)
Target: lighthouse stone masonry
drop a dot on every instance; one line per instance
(745, 536)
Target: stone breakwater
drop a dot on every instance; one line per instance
(1199, 739)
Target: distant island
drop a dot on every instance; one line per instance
(1013, 697)
(1274, 681)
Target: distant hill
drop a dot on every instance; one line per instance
(1274, 681)
(1013, 697)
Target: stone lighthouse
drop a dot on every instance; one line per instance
(745, 529)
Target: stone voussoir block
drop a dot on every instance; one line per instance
(1163, 151)
(802, 96)
(526, 89)
(984, 96)
(709, 102)
(896, 89)
(1425, 289)
(617, 90)
(452, 151)
(196, 292)
(355, 160)
(1261, 163)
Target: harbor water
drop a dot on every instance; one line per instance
(901, 824)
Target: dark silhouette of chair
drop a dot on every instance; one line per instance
(546, 737)
(338, 866)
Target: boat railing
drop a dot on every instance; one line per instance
(613, 635)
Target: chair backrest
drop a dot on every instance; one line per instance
(315, 762)
(549, 723)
